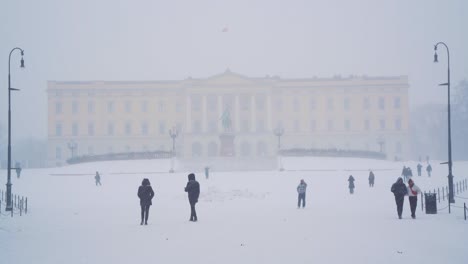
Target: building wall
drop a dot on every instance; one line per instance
(358, 113)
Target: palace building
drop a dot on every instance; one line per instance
(228, 115)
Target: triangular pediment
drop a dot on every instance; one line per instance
(228, 78)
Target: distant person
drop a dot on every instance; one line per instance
(301, 191)
(404, 173)
(97, 178)
(399, 190)
(419, 169)
(18, 169)
(351, 184)
(429, 170)
(371, 178)
(413, 192)
(410, 173)
(207, 172)
(146, 194)
(193, 190)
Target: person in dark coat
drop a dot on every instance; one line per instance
(18, 169)
(98, 179)
(429, 170)
(371, 178)
(193, 191)
(301, 191)
(399, 190)
(419, 169)
(351, 184)
(146, 194)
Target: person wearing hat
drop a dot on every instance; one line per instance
(301, 191)
(413, 192)
(146, 194)
(399, 190)
(193, 191)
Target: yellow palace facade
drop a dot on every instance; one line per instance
(354, 113)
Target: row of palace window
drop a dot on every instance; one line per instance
(212, 127)
(212, 104)
(197, 149)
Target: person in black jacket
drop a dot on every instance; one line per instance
(193, 190)
(146, 194)
(371, 178)
(351, 184)
(399, 190)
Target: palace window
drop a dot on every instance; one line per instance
(110, 107)
(330, 125)
(398, 124)
(75, 107)
(58, 129)
(347, 125)
(366, 103)
(58, 152)
(162, 128)
(128, 128)
(382, 124)
(144, 106)
(128, 106)
(90, 107)
(75, 129)
(58, 107)
(381, 103)
(144, 128)
(397, 103)
(330, 105)
(90, 129)
(110, 129)
(296, 104)
(313, 125)
(346, 104)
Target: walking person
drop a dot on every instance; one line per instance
(97, 178)
(193, 190)
(399, 190)
(146, 194)
(404, 173)
(18, 169)
(413, 192)
(351, 184)
(419, 169)
(301, 191)
(429, 170)
(371, 178)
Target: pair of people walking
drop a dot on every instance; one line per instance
(400, 190)
(146, 194)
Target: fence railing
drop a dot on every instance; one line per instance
(19, 204)
(458, 187)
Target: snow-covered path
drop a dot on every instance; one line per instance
(244, 217)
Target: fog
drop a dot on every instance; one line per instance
(172, 40)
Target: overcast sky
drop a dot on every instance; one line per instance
(171, 40)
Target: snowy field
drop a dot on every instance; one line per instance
(244, 217)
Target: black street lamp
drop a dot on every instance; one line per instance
(72, 146)
(279, 131)
(174, 132)
(9, 206)
(450, 176)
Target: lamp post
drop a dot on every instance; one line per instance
(279, 131)
(173, 133)
(72, 146)
(450, 176)
(9, 206)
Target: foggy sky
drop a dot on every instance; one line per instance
(172, 40)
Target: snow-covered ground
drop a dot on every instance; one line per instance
(244, 217)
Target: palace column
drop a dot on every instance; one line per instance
(236, 114)
(253, 113)
(220, 113)
(204, 114)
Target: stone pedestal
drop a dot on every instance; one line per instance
(227, 145)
